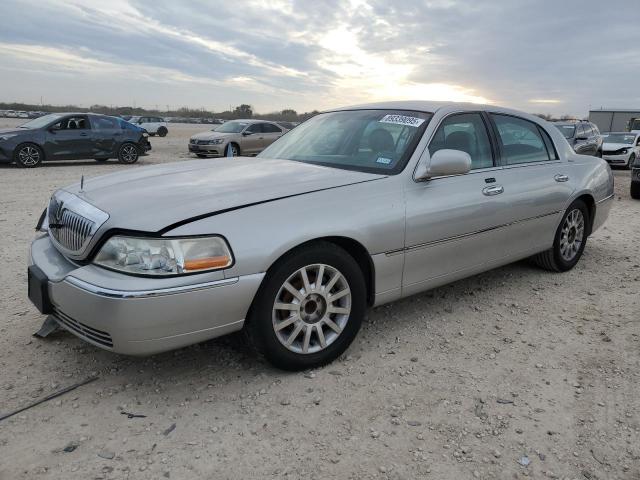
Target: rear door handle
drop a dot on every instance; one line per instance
(83, 134)
(493, 190)
(560, 177)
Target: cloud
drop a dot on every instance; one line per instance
(544, 55)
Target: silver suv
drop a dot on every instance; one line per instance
(241, 137)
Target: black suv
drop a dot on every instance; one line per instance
(70, 136)
(583, 136)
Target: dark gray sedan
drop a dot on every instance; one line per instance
(71, 136)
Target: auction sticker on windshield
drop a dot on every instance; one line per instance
(402, 120)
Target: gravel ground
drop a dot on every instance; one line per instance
(510, 374)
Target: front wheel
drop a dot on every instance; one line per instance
(162, 131)
(635, 190)
(128, 153)
(309, 308)
(569, 241)
(28, 155)
(631, 161)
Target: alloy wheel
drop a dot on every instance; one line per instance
(572, 235)
(129, 154)
(311, 308)
(29, 156)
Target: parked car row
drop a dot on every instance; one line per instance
(70, 136)
(20, 114)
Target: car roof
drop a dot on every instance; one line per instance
(436, 106)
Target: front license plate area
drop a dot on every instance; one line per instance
(38, 289)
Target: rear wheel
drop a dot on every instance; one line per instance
(162, 131)
(128, 153)
(309, 308)
(569, 242)
(635, 190)
(28, 155)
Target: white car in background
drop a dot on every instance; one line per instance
(621, 148)
(153, 125)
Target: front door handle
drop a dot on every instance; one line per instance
(83, 134)
(493, 190)
(560, 177)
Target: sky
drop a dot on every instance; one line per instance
(541, 56)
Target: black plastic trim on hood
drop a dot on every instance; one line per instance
(231, 209)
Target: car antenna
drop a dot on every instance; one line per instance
(82, 184)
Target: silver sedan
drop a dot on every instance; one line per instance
(354, 208)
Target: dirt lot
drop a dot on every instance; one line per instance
(473, 380)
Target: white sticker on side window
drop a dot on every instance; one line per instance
(402, 120)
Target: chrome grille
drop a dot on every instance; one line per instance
(72, 223)
(72, 231)
(83, 331)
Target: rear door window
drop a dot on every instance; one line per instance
(520, 140)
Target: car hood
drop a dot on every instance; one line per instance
(4, 131)
(615, 146)
(156, 197)
(212, 135)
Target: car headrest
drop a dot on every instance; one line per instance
(380, 140)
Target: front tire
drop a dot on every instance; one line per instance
(162, 131)
(569, 241)
(309, 308)
(28, 155)
(128, 153)
(631, 161)
(634, 191)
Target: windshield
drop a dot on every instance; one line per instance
(567, 130)
(619, 138)
(231, 127)
(376, 141)
(41, 121)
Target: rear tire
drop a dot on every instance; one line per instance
(28, 155)
(569, 241)
(162, 131)
(635, 190)
(304, 320)
(128, 153)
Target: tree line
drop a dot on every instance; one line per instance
(241, 111)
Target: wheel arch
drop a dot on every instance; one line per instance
(354, 248)
(590, 202)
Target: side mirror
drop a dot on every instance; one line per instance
(442, 163)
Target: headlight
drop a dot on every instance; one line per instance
(624, 151)
(217, 141)
(145, 134)
(164, 256)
